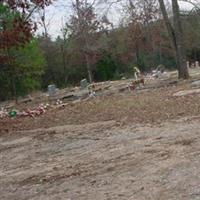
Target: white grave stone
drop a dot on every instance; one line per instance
(197, 64)
(52, 90)
(188, 64)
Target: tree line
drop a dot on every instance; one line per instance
(91, 46)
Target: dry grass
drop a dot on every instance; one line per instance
(153, 106)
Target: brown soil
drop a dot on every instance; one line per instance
(128, 146)
(102, 161)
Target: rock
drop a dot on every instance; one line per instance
(84, 83)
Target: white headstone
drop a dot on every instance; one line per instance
(52, 90)
(84, 83)
(188, 64)
(197, 64)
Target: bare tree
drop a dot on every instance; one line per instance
(140, 14)
(176, 34)
(44, 22)
(82, 21)
(63, 49)
(85, 28)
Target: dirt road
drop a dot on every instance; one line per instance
(101, 161)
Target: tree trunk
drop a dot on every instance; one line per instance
(87, 58)
(65, 75)
(12, 77)
(160, 53)
(180, 51)
(137, 53)
(86, 45)
(167, 23)
(176, 37)
(13, 85)
(88, 68)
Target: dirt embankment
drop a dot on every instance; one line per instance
(151, 106)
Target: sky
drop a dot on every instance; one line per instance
(59, 12)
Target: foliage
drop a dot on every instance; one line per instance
(20, 58)
(85, 31)
(25, 71)
(16, 24)
(191, 33)
(89, 46)
(106, 68)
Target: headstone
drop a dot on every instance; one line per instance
(196, 64)
(84, 83)
(188, 64)
(52, 90)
